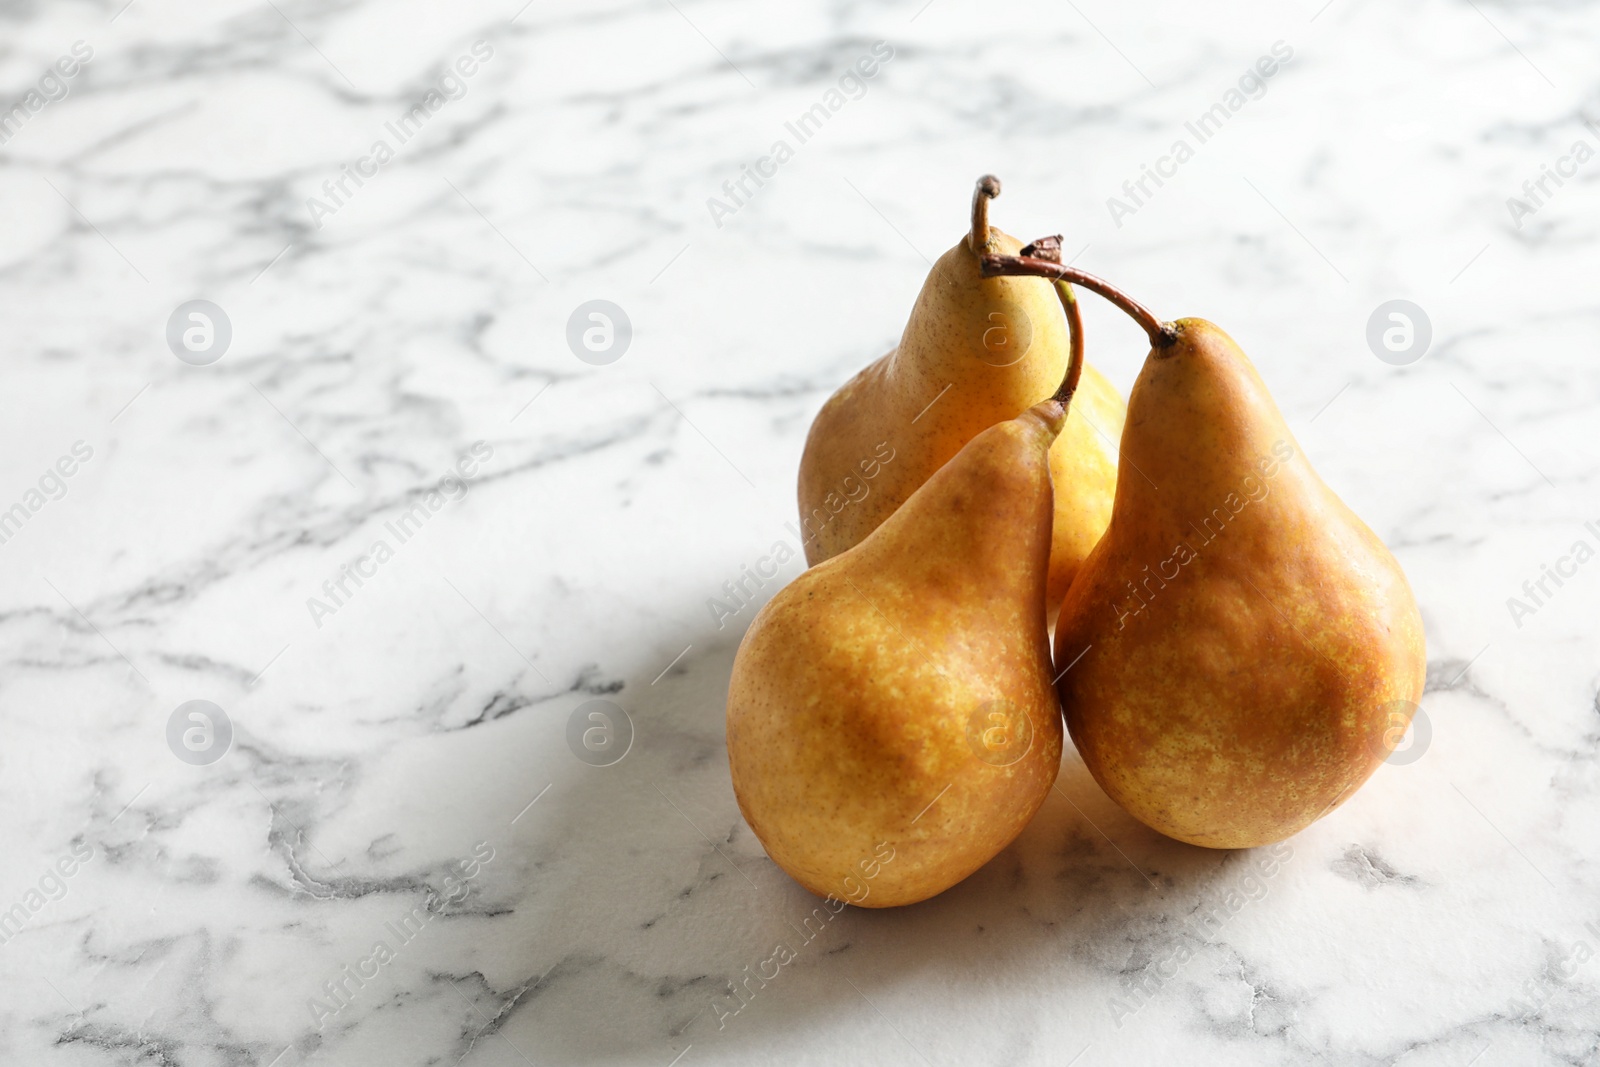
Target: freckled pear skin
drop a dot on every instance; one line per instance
(1000, 345)
(1245, 688)
(857, 688)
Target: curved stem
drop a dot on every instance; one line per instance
(987, 189)
(1069, 384)
(1161, 334)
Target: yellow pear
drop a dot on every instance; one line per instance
(1083, 466)
(891, 719)
(1239, 652)
(976, 351)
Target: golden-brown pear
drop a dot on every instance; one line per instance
(976, 351)
(1250, 641)
(1250, 650)
(891, 719)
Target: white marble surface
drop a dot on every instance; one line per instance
(1447, 915)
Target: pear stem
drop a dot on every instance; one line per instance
(1161, 334)
(987, 188)
(1069, 384)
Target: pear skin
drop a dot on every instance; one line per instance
(976, 351)
(891, 719)
(1251, 644)
(1083, 468)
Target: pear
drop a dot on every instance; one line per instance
(1083, 468)
(891, 719)
(1239, 648)
(974, 352)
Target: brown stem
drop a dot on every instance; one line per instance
(987, 189)
(1069, 384)
(1161, 334)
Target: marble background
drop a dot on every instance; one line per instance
(176, 914)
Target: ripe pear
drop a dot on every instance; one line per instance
(891, 719)
(1247, 643)
(1083, 467)
(975, 352)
